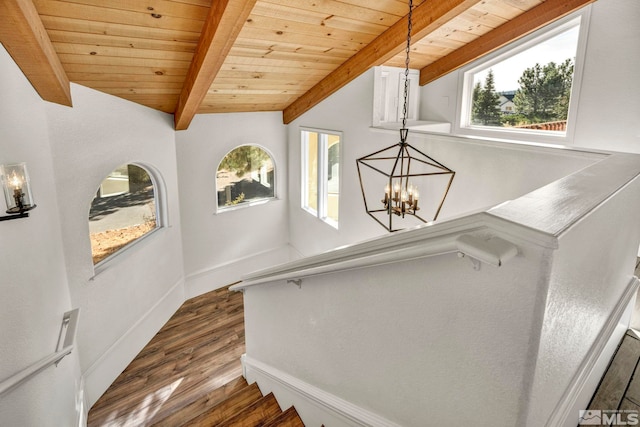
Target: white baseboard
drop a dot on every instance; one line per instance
(315, 406)
(99, 376)
(217, 276)
(586, 380)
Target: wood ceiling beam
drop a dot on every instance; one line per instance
(520, 26)
(25, 38)
(224, 22)
(427, 17)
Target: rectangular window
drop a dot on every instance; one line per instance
(321, 174)
(526, 92)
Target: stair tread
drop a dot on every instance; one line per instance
(255, 414)
(202, 404)
(227, 408)
(288, 418)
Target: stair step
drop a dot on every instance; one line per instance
(202, 404)
(288, 418)
(225, 410)
(255, 414)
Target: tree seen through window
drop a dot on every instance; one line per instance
(529, 90)
(245, 174)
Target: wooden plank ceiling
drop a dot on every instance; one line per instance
(191, 57)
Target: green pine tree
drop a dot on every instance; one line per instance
(485, 104)
(544, 92)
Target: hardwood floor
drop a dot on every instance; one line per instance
(194, 354)
(618, 394)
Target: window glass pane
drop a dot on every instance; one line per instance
(245, 175)
(311, 171)
(529, 90)
(333, 177)
(123, 210)
(321, 175)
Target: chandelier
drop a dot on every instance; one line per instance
(401, 171)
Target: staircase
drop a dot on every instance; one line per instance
(234, 404)
(189, 374)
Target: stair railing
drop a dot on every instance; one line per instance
(64, 347)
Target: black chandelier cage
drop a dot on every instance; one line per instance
(395, 175)
(408, 169)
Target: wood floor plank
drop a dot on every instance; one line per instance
(198, 406)
(288, 418)
(142, 392)
(613, 386)
(228, 408)
(195, 354)
(633, 391)
(255, 414)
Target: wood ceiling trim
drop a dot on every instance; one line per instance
(223, 24)
(25, 38)
(427, 17)
(520, 26)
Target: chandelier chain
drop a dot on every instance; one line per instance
(406, 66)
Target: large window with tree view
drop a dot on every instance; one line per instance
(527, 89)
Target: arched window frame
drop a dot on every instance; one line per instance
(223, 209)
(161, 214)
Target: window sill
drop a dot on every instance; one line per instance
(418, 126)
(245, 205)
(112, 259)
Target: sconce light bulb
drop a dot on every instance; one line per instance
(15, 180)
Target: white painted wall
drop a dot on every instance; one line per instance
(386, 339)
(586, 283)
(486, 173)
(127, 301)
(219, 248)
(33, 281)
(609, 99)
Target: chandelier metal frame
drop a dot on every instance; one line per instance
(400, 198)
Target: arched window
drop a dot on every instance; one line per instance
(245, 175)
(123, 210)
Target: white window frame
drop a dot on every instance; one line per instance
(388, 93)
(465, 84)
(323, 191)
(162, 219)
(256, 202)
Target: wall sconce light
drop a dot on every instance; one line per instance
(17, 191)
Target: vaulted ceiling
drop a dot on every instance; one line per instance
(188, 57)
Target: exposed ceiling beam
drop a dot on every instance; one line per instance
(427, 17)
(520, 26)
(23, 35)
(220, 31)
